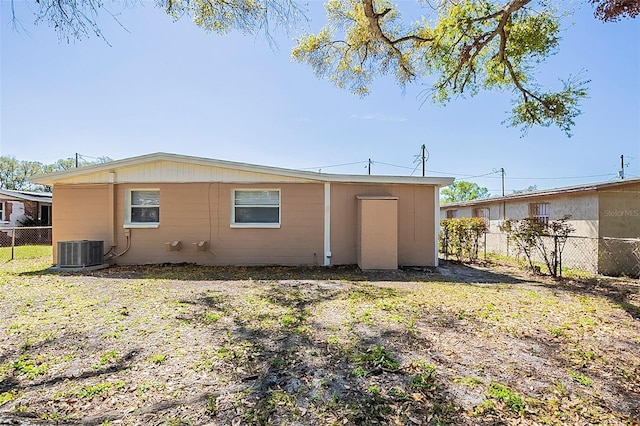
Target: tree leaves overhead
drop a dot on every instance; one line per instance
(246, 16)
(76, 19)
(613, 10)
(457, 47)
(468, 46)
(360, 42)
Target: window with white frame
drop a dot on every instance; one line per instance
(143, 207)
(255, 208)
(539, 212)
(452, 214)
(1, 210)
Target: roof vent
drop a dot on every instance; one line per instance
(79, 254)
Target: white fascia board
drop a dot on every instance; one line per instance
(52, 178)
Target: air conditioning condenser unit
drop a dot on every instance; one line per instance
(79, 254)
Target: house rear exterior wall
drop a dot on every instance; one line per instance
(194, 212)
(416, 222)
(81, 213)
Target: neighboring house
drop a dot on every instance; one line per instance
(15, 206)
(606, 218)
(161, 208)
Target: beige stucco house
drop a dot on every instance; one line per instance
(161, 208)
(606, 218)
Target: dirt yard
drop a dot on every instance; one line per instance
(186, 345)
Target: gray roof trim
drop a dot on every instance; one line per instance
(51, 178)
(546, 192)
(41, 197)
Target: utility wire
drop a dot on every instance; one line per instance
(88, 156)
(414, 169)
(564, 177)
(334, 165)
(394, 165)
(487, 175)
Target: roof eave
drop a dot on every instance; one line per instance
(53, 178)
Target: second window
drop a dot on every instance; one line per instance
(256, 207)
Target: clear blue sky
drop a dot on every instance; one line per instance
(169, 86)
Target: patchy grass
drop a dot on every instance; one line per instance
(511, 399)
(197, 345)
(26, 252)
(580, 378)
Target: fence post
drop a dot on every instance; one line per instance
(557, 262)
(13, 241)
(560, 264)
(485, 246)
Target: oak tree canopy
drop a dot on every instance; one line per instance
(459, 47)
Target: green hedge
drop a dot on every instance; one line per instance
(460, 236)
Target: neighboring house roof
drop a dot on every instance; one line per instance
(546, 192)
(41, 197)
(100, 172)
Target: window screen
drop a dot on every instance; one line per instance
(256, 206)
(145, 206)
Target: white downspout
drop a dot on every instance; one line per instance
(436, 216)
(112, 211)
(327, 224)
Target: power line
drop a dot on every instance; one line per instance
(88, 156)
(333, 165)
(564, 177)
(467, 176)
(394, 165)
(414, 169)
(487, 174)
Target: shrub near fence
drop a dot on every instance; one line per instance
(25, 242)
(540, 240)
(460, 237)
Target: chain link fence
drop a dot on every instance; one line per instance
(25, 242)
(605, 256)
(619, 256)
